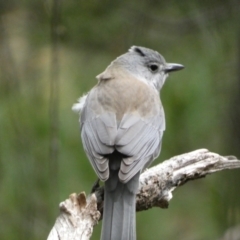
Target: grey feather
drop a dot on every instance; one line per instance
(122, 123)
(119, 208)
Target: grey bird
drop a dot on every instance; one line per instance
(122, 123)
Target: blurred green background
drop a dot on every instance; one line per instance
(50, 53)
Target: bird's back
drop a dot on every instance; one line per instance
(125, 94)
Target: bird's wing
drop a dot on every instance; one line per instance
(98, 133)
(140, 139)
(135, 133)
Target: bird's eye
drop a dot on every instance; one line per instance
(153, 67)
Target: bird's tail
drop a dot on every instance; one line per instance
(119, 209)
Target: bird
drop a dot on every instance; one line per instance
(122, 122)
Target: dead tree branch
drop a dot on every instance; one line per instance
(79, 214)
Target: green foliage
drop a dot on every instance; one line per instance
(202, 35)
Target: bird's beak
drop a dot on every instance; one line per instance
(170, 67)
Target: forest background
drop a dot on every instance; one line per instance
(50, 53)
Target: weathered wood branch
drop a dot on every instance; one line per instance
(79, 214)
